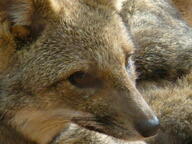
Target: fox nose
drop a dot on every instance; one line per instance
(149, 127)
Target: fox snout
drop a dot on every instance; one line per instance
(133, 113)
(145, 121)
(117, 107)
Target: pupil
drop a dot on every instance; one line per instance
(79, 79)
(83, 80)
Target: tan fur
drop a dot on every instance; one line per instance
(7, 44)
(185, 7)
(163, 39)
(164, 50)
(71, 59)
(41, 126)
(8, 135)
(59, 43)
(173, 104)
(164, 96)
(114, 4)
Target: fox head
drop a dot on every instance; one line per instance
(70, 61)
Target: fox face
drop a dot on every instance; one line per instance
(77, 68)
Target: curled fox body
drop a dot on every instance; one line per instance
(163, 39)
(69, 61)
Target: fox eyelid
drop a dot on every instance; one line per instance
(82, 79)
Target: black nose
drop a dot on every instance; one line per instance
(148, 128)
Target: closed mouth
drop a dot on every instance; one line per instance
(103, 125)
(98, 124)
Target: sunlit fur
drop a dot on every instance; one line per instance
(26, 73)
(171, 100)
(185, 8)
(163, 39)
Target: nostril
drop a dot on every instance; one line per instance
(148, 128)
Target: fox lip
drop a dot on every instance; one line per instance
(90, 123)
(102, 125)
(101, 121)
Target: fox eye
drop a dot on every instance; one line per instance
(84, 80)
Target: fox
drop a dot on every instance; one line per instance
(171, 102)
(162, 37)
(165, 53)
(66, 62)
(22, 31)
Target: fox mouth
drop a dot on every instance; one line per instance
(106, 126)
(90, 123)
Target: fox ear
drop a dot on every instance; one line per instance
(28, 17)
(115, 4)
(22, 21)
(7, 44)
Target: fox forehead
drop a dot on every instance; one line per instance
(107, 43)
(77, 38)
(89, 32)
(99, 24)
(66, 49)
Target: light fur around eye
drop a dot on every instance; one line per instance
(130, 67)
